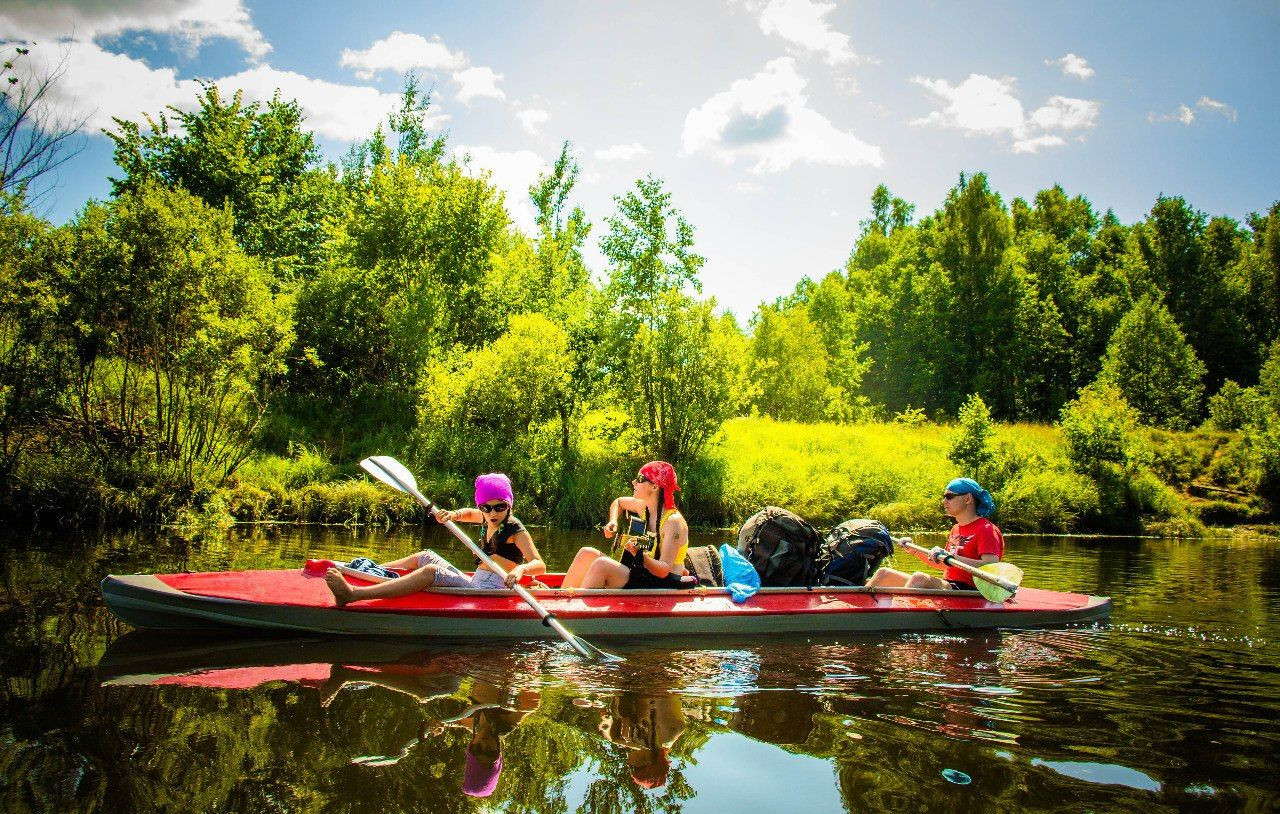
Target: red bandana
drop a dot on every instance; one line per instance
(662, 474)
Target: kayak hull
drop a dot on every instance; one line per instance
(289, 601)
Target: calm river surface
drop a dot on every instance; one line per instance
(1172, 706)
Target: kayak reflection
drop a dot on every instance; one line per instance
(532, 728)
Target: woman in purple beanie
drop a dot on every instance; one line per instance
(502, 536)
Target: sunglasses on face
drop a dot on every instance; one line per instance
(493, 508)
(949, 495)
(640, 479)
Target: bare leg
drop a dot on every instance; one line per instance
(344, 592)
(578, 569)
(410, 562)
(606, 573)
(888, 578)
(922, 580)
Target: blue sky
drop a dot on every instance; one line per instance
(771, 121)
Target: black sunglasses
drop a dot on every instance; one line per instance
(493, 508)
(949, 495)
(640, 479)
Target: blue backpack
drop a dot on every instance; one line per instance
(853, 551)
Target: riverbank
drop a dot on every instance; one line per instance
(825, 472)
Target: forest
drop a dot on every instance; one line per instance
(240, 322)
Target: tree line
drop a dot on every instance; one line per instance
(237, 297)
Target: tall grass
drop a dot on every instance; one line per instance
(827, 473)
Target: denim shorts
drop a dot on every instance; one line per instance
(448, 576)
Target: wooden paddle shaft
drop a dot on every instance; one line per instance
(950, 559)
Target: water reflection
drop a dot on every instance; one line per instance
(1172, 707)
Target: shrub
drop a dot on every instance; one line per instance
(970, 445)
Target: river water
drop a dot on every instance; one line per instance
(1173, 705)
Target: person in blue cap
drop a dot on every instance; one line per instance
(974, 540)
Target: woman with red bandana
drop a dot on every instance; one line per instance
(653, 503)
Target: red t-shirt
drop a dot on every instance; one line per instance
(973, 540)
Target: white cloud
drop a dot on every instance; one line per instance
(1072, 65)
(622, 152)
(1184, 114)
(512, 172)
(190, 21)
(766, 119)
(979, 104)
(988, 106)
(476, 82)
(1032, 145)
(342, 112)
(1064, 113)
(801, 23)
(100, 85)
(1222, 107)
(402, 52)
(747, 188)
(531, 119)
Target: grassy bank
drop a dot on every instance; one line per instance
(824, 472)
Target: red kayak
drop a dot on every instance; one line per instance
(294, 600)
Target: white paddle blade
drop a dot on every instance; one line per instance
(390, 471)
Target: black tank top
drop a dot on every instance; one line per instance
(500, 544)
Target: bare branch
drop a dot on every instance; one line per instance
(36, 135)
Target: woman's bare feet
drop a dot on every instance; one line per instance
(342, 592)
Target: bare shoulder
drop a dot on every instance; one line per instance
(675, 524)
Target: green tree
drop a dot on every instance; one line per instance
(1262, 431)
(971, 245)
(830, 306)
(788, 365)
(406, 280)
(1106, 444)
(177, 333)
(1104, 294)
(1229, 345)
(1262, 271)
(34, 356)
(1152, 364)
(1069, 221)
(684, 377)
(407, 126)
(498, 407)
(650, 251)
(1232, 406)
(971, 443)
(679, 370)
(888, 212)
(255, 159)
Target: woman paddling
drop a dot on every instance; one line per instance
(653, 556)
(974, 540)
(502, 537)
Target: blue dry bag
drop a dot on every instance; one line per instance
(740, 576)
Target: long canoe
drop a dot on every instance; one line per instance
(290, 600)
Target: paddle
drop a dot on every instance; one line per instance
(393, 473)
(999, 580)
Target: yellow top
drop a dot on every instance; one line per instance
(621, 543)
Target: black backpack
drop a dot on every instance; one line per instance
(781, 546)
(853, 551)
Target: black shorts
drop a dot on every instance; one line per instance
(641, 577)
